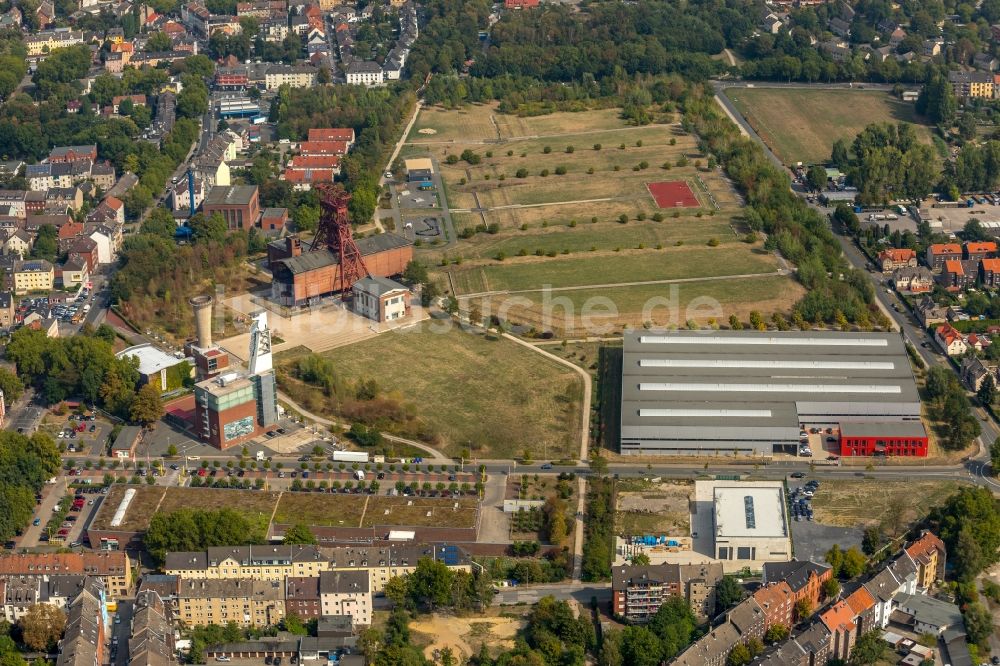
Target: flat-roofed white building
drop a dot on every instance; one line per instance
(746, 521)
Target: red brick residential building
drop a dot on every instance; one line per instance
(939, 253)
(989, 272)
(778, 603)
(302, 597)
(980, 250)
(805, 579)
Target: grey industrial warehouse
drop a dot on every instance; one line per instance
(698, 392)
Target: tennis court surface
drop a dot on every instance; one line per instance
(673, 194)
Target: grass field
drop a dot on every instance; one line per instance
(563, 229)
(660, 305)
(481, 122)
(532, 273)
(661, 509)
(801, 125)
(140, 509)
(493, 396)
(148, 500)
(420, 512)
(892, 504)
(588, 237)
(320, 509)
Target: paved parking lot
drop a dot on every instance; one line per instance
(50, 495)
(811, 540)
(43, 512)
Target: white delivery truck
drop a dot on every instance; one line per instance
(350, 456)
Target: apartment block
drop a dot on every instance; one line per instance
(276, 563)
(346, 593)
(247, 602)
(113, 568)
(637, 592)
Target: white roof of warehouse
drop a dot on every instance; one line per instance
(744, 510)
(151, 359)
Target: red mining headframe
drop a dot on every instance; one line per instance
(334, 232)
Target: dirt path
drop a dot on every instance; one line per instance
(434, 454)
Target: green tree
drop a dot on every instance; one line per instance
(640, 647)
(871, 541)
(415, 272)
(675, 625)
(429, 584)
(11, 385)
(299, 534)
(776, 633)
(159, 41)
(739, 655)
(212, 228)
(987, 392)
(147, 407)
(831, 588)
(869, 649)
(728, 593)
(640, 560)
(853, 564)
(816, 178)
(42, 626)
(160, 223)
(292, 623)
(978, 622)
(937, 101)
(198, 529)
(46, 244)
(840, 156)
(803, 609)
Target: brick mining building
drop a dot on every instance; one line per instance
(302, 274)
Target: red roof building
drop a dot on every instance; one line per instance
(324, 147)
(331, 134)
(939, 253)
(980, 250)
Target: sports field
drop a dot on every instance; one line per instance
(673, 194)
(569, 200)
(461, 390)
(801, 125)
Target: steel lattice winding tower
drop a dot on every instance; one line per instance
(334, 232)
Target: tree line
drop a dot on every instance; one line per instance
(26, 463)
(949, 404)
(197, 529)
